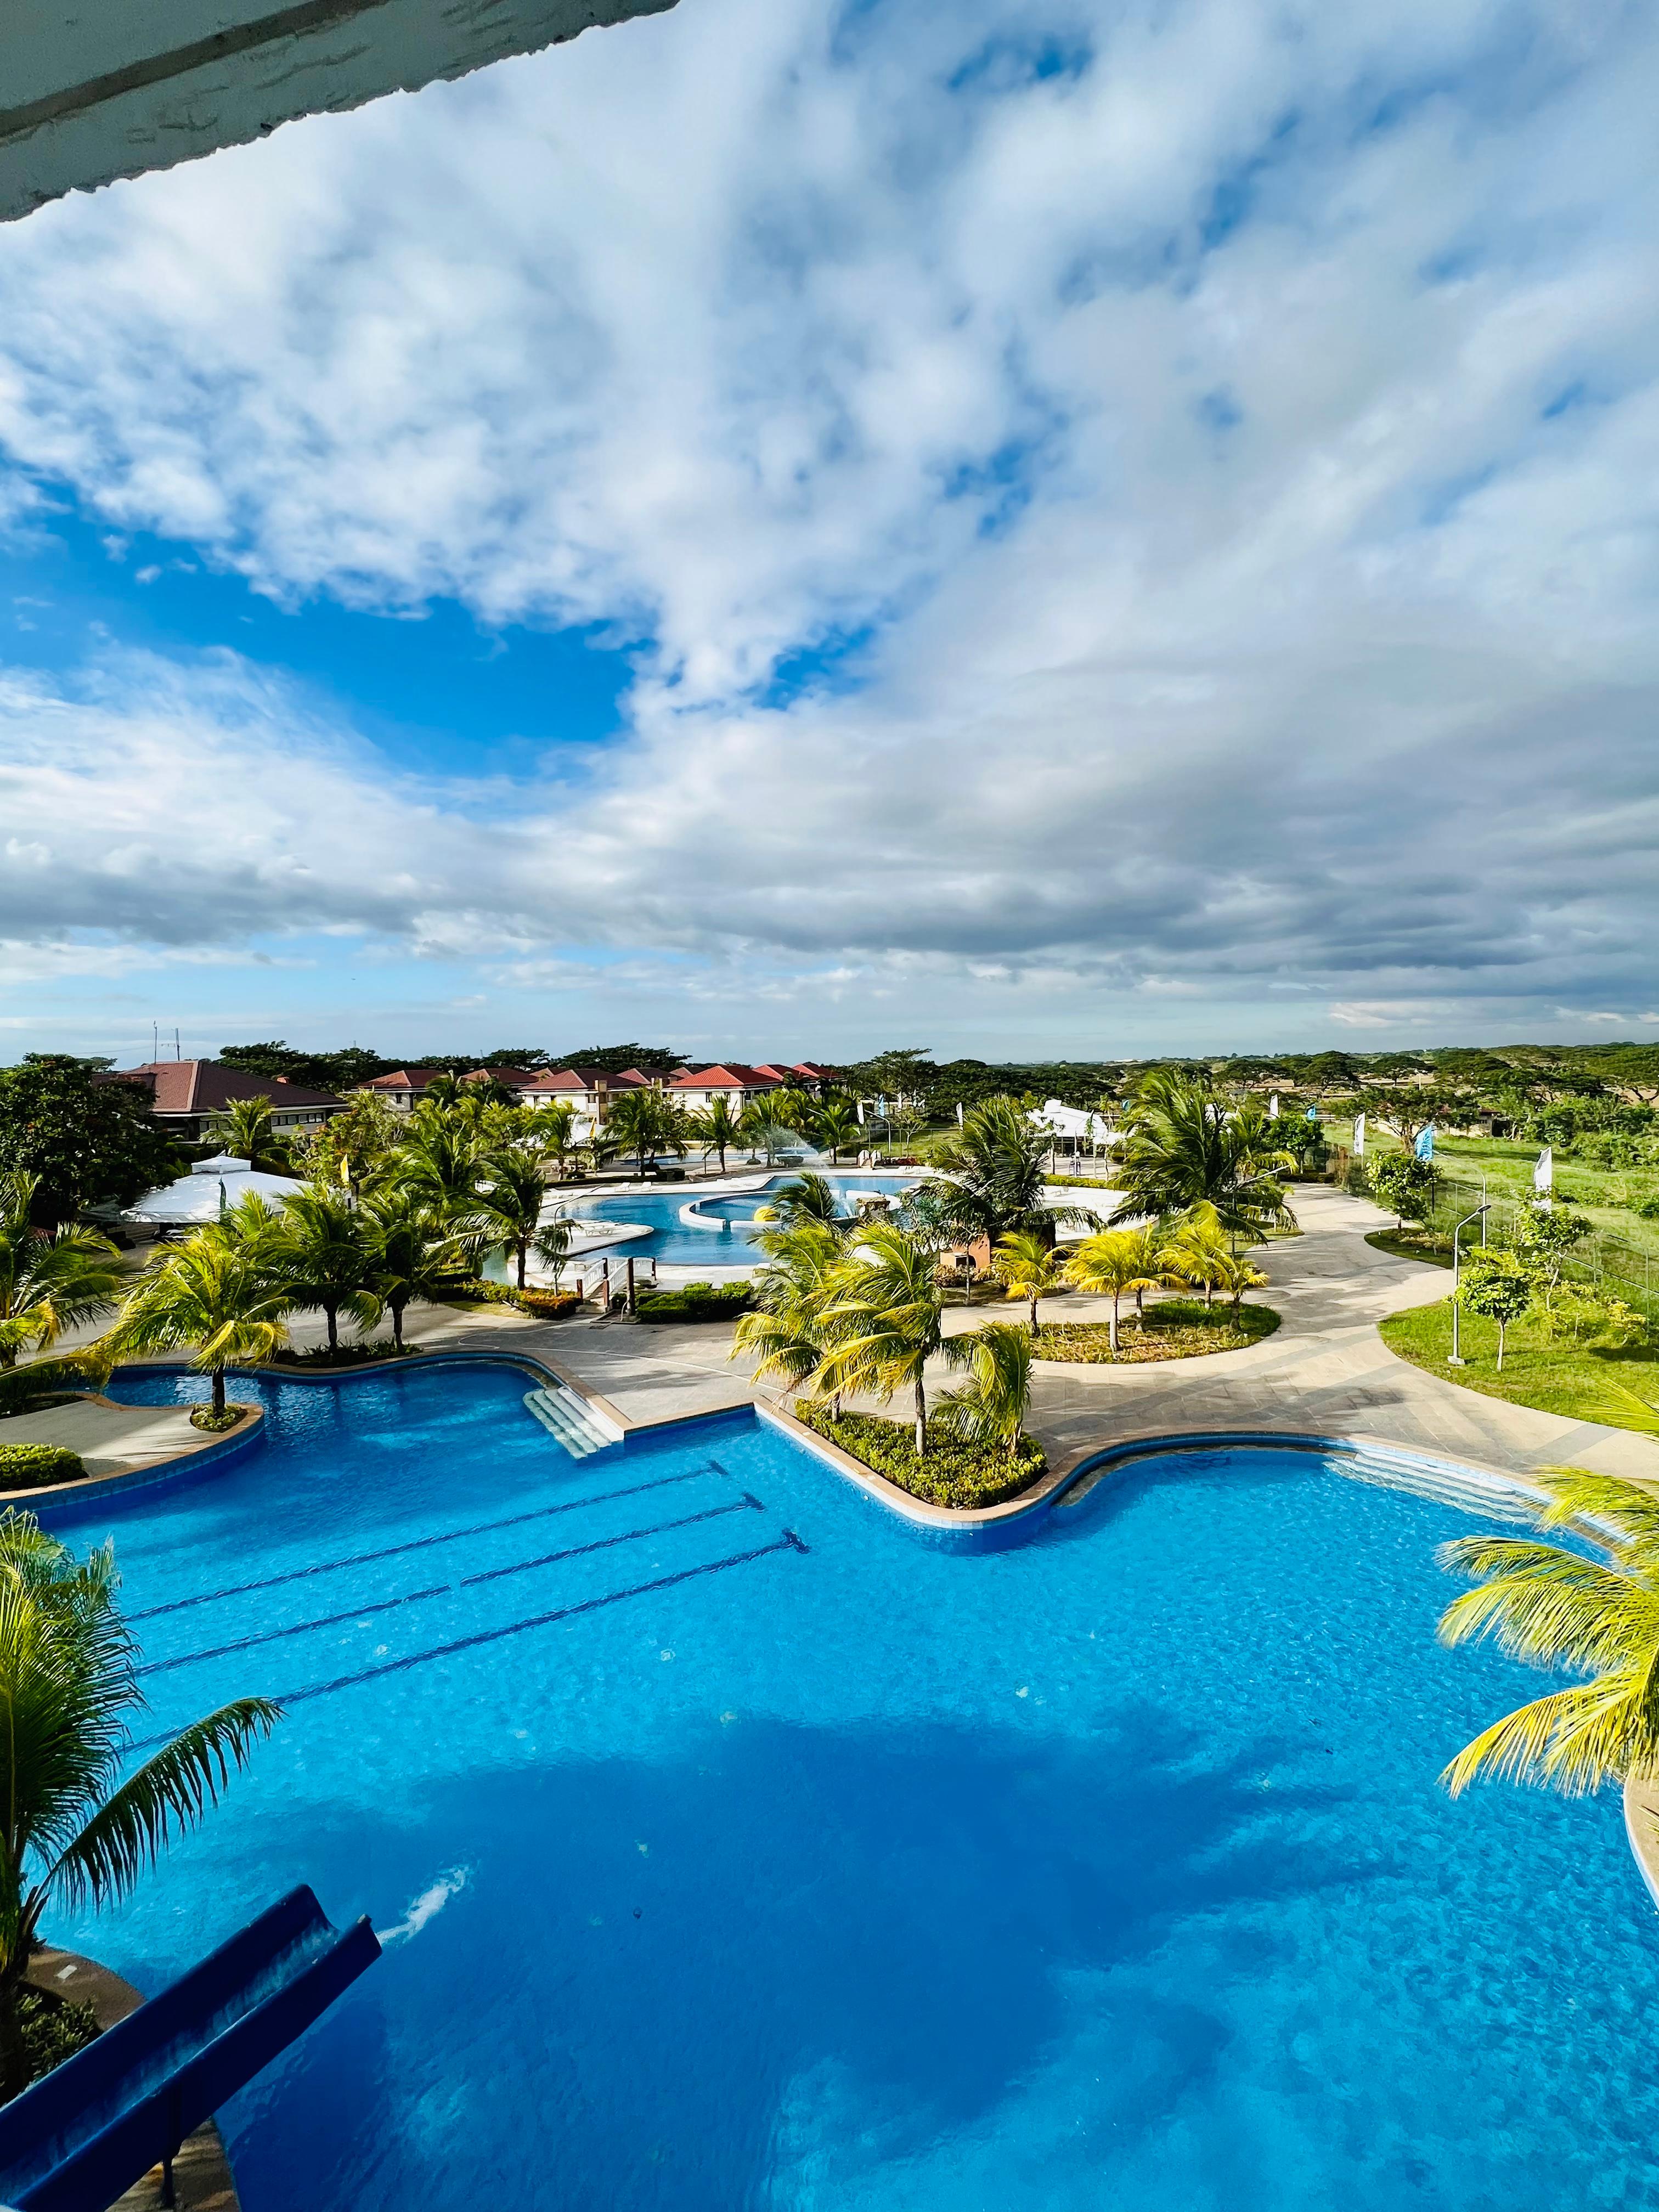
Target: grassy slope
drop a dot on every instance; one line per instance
(1562, 1378)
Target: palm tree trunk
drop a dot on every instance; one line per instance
(398, 1324)
(922, 1416)
(523, 1250)
(1500, 1346)
(218, 1391)
(1112, 1328)
(332, 1312)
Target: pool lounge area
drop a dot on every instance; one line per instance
(733, 1843)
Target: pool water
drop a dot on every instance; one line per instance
(727, 1243)
(749, 1850)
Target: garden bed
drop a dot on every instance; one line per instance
(348, 1355)
(38, 1467)
(696, 1302)
(219, 1425)
(950, 1472)
(1412, 1244)
(1578, 1381)
(1175, 1329)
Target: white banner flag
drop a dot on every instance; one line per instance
(1272, 1108)
(1543, 1174)
(860, 1113)
(1360, 1136)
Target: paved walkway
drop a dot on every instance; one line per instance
(111, 1440)
(1324, 1372)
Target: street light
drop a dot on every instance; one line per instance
(1479, 1215)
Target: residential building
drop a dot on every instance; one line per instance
(696, 1088)
(590, 1091)
(185, 1095)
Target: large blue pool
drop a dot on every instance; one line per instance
(1108, 1869)
(726, 1242)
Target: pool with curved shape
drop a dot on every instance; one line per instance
(733, 1846)
(724, 1237)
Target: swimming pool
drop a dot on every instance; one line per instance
(1108, 1869)
(726, 1242)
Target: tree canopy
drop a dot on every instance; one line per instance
(86, 1142)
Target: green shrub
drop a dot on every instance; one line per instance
(31, 1466)
(71, 1372)
(348, 1355)
(950, 1472)
(696, 1302)
(54, 2028)
(217, 1424)
(547, 1305)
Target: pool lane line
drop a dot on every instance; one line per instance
(789, 1541)
(421, 1543)
(444, 1589)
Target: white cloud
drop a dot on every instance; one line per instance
(1232, 457)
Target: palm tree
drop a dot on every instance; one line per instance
(1151, 1255)
(758, 1129)
(71, 1833)
(991, 1407)
(242, 1128)
(410, 1254)
(1029, 1269)
(512, 1193)
(998, 1166)
(1196, 1252)
(553, 1131)
(805, 1197)
(644, 1122)
(791, 1109)
(1184, 1147)
(788, 1329)
(322, 1245)
(886, 1316)
(222, 1294)
(716, 1128)
(49, 1279)
(1556, 1607)
(439, 1165)
(1109, 1263)
(835, 1125)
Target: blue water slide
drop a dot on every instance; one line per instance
(88, 2130)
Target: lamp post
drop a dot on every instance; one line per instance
(1479, 1215)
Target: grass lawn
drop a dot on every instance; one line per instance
(1176, 1329)
(1579, 1381)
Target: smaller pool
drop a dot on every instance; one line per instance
(727, 1241)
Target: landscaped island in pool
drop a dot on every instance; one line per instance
(734, 1847)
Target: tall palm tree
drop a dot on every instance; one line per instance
(410, 1254)
(837, 1127)
(758, 1130)
(72, 1832)
(886, 1316)
(715, 1128)
(1110, 1263)
(242, 1127)
(49, 1279)
(998, 1166)
(644, 1123)
(321, 1243)
(788, 1329)
(512, 1192)
(222, 1294)
(1184, 1146)
(991, 1406)
(553, 1131)
(1029, 1269)
(790, 1109)
(1556, 1607)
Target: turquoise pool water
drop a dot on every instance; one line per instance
(1108, 1869)
(674, 1242)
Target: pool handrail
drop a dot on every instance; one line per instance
(84, 2133)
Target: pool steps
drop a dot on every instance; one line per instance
(563, 1414)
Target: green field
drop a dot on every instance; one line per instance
(1578, 1381)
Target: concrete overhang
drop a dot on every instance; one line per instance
(91, 90)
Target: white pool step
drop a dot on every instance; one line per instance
(563, 1414)
(1467, 1488)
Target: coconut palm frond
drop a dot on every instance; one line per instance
(171, 1791)
(1557, 1610)
(1574, 1740)
(1610, 1510)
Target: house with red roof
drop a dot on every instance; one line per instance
(739, 1084)
(185, 1095)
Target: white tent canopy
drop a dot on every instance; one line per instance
(201, 1195)
(1073, 1121)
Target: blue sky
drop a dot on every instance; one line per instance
(790, 526)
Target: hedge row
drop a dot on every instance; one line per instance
(31, 1466)
(696, 1302)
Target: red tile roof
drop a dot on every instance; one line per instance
(585, 1079)
(203, 1086)
(733, 1075)
(403, 1078)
